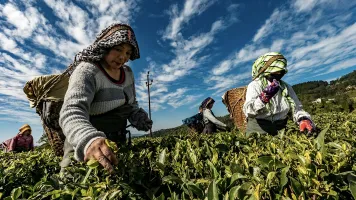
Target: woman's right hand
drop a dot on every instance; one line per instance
(99, 151)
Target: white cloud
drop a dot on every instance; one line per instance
(328, 45)
(113, 10)
(25, 21)
(343, 65)
(26, 32)
(276, 17)
(247, 53)
(73, 19)
(8, 44)
(191, 9)
(311, 44)
(224, 83)
(188, 54)
(305, 5)
(277, 45)
(223, 67)
(10, 113)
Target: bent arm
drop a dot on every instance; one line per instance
(212, 118)
(253, 104)
(74, 115)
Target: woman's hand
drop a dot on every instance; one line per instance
(141, 121)
(269, 91)
(99, 151)
(306, 124)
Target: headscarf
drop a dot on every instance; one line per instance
(111, 36)
(277, 65)
(206, 102)
(24, 128)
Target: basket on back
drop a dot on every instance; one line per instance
(234, 100)
(46, 94)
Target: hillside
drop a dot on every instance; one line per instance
(322, 89)
(338, 95)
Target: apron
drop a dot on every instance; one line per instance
(265, 126)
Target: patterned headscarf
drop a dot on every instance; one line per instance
(206, 102)
(111, 36)
(277, 65)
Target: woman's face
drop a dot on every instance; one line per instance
(28, 132)
(275, 75)
(210, 106)
(118, 55)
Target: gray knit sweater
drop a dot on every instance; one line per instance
(92, 92)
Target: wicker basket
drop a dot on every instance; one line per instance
(234, 100)
(46, 93)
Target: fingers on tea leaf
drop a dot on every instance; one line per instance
(105, 162)
(109, 154)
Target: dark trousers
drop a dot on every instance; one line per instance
(265, 126)
(210, 128)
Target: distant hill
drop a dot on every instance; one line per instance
(338, 95)
(184, 128)
(322, 89)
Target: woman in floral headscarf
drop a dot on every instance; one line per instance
(101, 98)
(269, 99)
(211, 124)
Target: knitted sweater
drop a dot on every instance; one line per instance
(91, 91)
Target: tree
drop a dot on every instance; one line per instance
(43, 141)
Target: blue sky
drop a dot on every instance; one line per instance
(193, 48)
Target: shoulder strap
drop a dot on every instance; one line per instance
(267, 64)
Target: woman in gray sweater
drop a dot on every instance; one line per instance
(101, 98)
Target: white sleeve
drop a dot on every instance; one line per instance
(211, 118)
(253, 104)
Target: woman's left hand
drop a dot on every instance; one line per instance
(141, 121)
(145, 124)
(306, 124)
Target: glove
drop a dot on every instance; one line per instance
(269, 92)
(144, 124)
(306, 124)
(141, 121)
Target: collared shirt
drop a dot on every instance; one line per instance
(279, 105)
